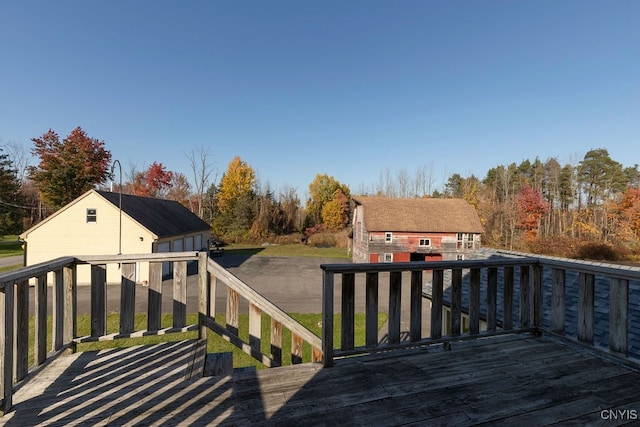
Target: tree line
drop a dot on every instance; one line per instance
(534, 205)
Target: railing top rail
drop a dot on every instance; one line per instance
(263, 303)
(427, 265)
(35, 270)
(593, 267)
(131, 258)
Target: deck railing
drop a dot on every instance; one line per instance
(62, 277)
(519, 294)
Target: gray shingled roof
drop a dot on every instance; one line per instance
(601, 303)
(161, 217)
(419, 215)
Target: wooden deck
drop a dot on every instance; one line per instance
(506, 380)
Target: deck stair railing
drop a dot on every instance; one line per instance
(59, 277)
(519, 294)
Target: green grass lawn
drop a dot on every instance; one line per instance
(10, 246)
(294, 250)
(216, 344)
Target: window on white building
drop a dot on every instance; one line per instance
(92, 215)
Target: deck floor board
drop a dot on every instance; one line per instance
(506, 380)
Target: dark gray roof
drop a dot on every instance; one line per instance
(161, 217)
(601, 301)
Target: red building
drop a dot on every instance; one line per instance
(418, 229)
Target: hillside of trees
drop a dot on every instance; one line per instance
(590, 209)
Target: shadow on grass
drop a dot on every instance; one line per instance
(236, 257)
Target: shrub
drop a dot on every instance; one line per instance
(598, 251)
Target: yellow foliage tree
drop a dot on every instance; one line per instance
(237, 182)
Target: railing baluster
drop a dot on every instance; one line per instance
(537, 299)
(98, 300)
(474, 301)
(127, 297)
(21, 349)
(40, 330)
(58, 309)
(507, 321)
(371, 309)
(206, 294)
(348, 311)
(436, 304)
(456, 302)
(618, 315)
(327, 318)
(70, 304)
(6, 344)
(179, 294)
(586, 307)
(492, 295)
(276, 341)
(255, 328)
(415, 324)
(558, 300)
(233, 307)
(395, 300)
(296, 348)
(525, 297)
(154, 301)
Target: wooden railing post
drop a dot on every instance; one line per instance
(395, 300)
(456, 302)
(558, 300)
(525, 297)
(348, 311)
(179, 294)
(492, 295)
(40, 330)
(586, 307)
(327, 318)
(154, 307)
(618, 315)
(58, 309)
(436, 303)
(537, 300)
(415, 323)
(206, 294)
(98, 300)
(127, 297)
(371, 309)
(474, 301)
(6, 344)
(21, 348)
(70, 303)
(507, 299)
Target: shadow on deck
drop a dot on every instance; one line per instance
(507, 380)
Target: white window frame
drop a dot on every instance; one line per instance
(424, 242)
(92, 215)
(388, 237)
(388, 257)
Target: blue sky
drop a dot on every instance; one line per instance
(347, 88)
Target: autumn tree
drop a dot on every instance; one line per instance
(155, 181)
(11, 200)
(69, 168)
(335, 213)
(180, 190)
(322, 190)
(531, 210)
(235, 199)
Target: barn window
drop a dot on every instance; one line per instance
(388, 237)
(424, 242)
(92, 215)
(388, 257)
